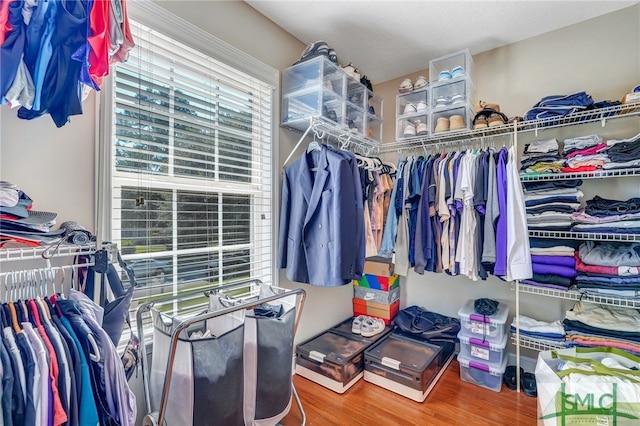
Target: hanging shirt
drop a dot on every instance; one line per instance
(500, 268)
(12, 48)
(19, 378)
(391, 225)
(5, 25)
(41, 384)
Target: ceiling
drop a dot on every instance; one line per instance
(389, 39)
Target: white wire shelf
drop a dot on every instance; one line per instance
(346, 138)
(529, 343)
(576, 295)
(525, 177)
(594, 236)
(601, 115)
(63, 250)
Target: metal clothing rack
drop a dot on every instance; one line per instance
(154, 418)
(345, 139)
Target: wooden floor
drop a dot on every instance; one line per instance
(451, 402)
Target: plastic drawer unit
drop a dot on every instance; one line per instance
(490, 328)
(482, 374)
(476, 349)
(335, 358)
(406, 366)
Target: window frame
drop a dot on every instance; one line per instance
(180, 30)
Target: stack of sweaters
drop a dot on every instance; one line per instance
(553, 263)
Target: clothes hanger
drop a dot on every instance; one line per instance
(314, 145)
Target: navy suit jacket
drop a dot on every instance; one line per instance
(322, 219)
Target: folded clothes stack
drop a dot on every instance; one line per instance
(584, 154)
(553, 263)
(551, 333)
(541, 157)
(623, 153)
(608, 216)
(590, 325)
(550, 204)
(608, 269)
(19, 223)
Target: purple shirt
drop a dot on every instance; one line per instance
(567, 261)
(563, 271)
(501, 224)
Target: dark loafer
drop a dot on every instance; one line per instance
(509, 377)
(528, 383)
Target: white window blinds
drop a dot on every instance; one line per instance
(191, 168)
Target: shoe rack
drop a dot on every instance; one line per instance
(319, 88)
(452, 92)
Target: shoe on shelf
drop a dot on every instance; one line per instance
(349, 69)
(480, 122)
(420, 83)
(409, 108)
(409, 130)
(444, 75)
(371, 110)
(496, 119)
(442, 125)
(405, 86)
(421, 128)
(371, 327)
(457, 72)
(356, 324)
(328, 84)
(421, 107)
(442, 101)
(456, 122)
(456, 98)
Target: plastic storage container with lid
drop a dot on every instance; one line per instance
(483, 374)
(335, 358)
(477, 349)
(490, 328)
(406, 366)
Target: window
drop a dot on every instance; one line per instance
(190, 167)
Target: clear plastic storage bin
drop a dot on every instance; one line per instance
(489, 328)
(476, 349)
(482, 374)
(315, 73)
(354, 119)
(460, 64)
(403, 365)
(407, 103)
(416, 122)
(304, 104)
(452, 93)
(458, 119)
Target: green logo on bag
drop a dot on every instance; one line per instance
(600, 409)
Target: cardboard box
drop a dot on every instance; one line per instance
(378, 296)
(378, 310)
(378, 282)
(377, 265)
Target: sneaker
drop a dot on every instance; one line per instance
(328, 84)
(371, 110)
(350, 70)
(405, 86)
(409, 109)
(457, 72)
(421, 128)
(356, 324)
(371, 327)
(442, 101)
(420, 83)
(457, 98)
(444, 75)
(421, 107)
(409, 130)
